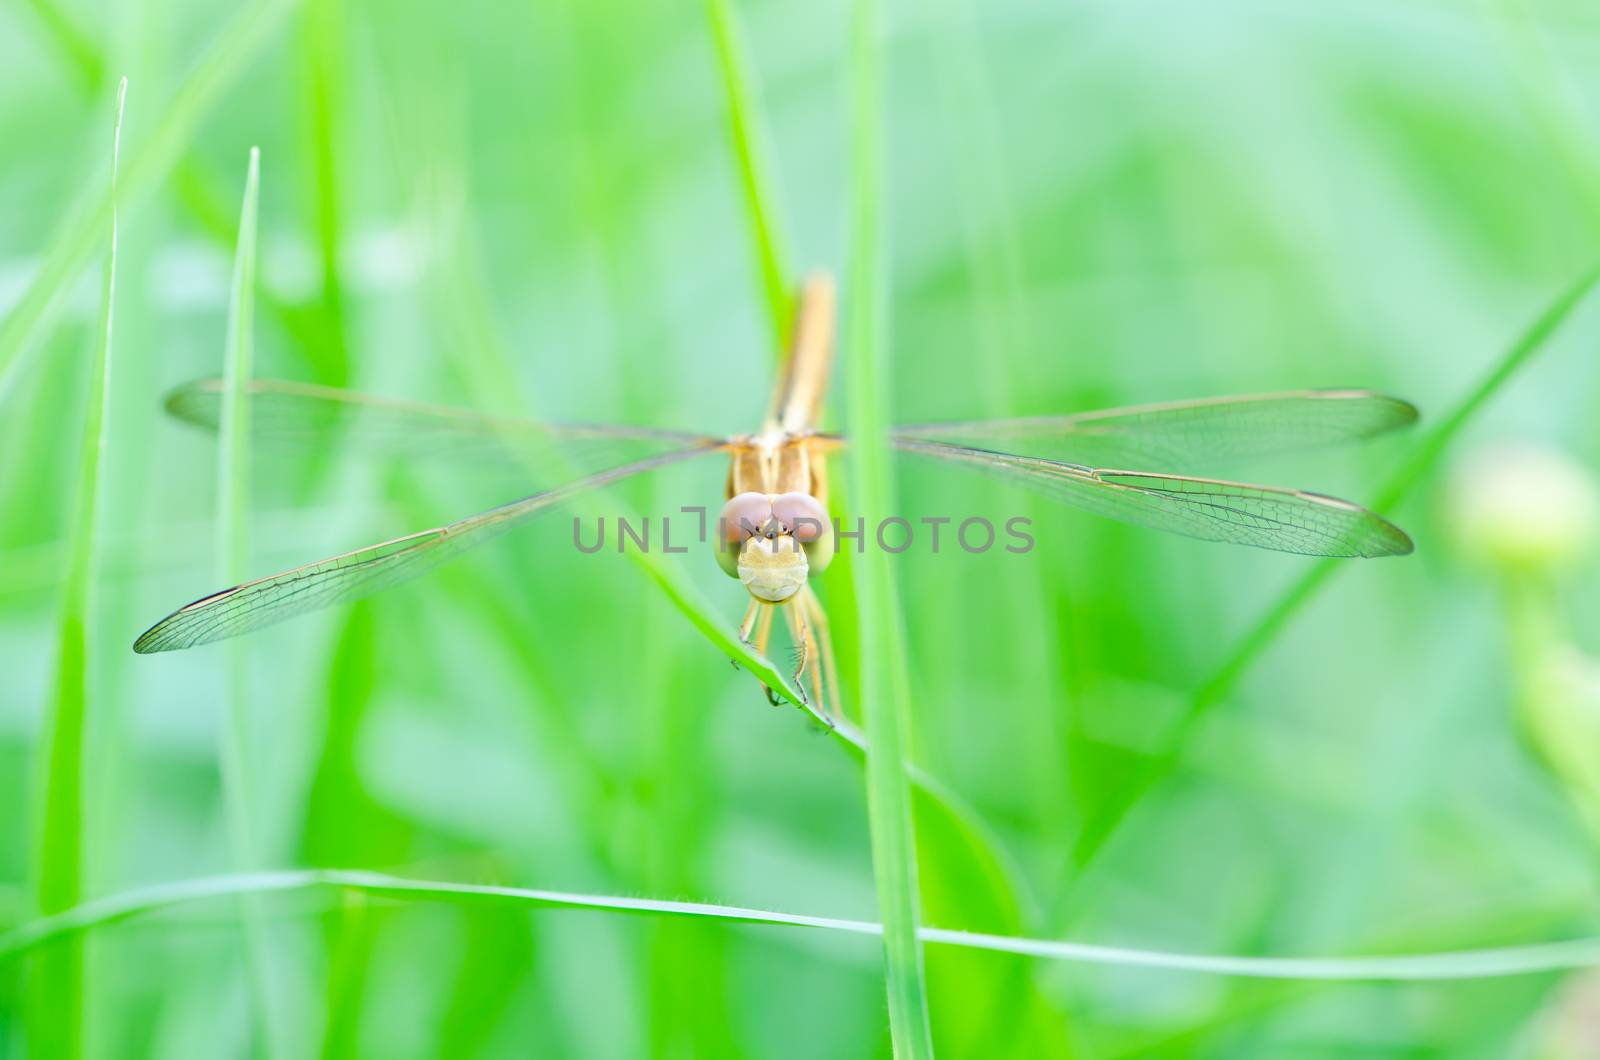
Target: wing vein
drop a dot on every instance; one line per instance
(1269, 517)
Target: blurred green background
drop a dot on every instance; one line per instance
(537, 206)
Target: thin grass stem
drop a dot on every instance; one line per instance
(1488, 963)
(233, 495)
(883, 691)
(56, 1018)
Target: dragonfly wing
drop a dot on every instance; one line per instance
(1188, 434)
(1211, 509)
(308, 416)
(350, 576)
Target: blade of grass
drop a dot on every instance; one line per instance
(883, 690)
(201, 191)
(1489, 963)
(751, 146)
(74, 245)
(55, 1027)
(233, 430)
(1272, 622)
(233, 493)
(326, 54)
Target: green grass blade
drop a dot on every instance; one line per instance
(326, 53)
(1265, 630)
(1488, 963)
(75, 244)
(233, 433)
(233, 494)
(747, 128)
(883, 683)
(56, 1024)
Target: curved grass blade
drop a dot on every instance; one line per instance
(1532, 959)
(1284, 520)
(352, 575)
(1181, 435)
(55, 1017)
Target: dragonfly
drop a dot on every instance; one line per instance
(774, 533)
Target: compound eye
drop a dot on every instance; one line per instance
(801, 515)
(743, 516)
(727, 553)
(819, 553)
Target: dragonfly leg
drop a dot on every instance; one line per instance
(763, 636)
(809, 667)
(747, 627)
(822, 638)
(794, 614)
(748, 624)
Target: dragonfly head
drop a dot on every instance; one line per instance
(774, 543)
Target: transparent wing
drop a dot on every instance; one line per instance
(350, 576)
(1211, 509)
(308, 416)
(1187, 435)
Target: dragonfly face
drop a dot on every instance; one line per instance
(774, 543)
